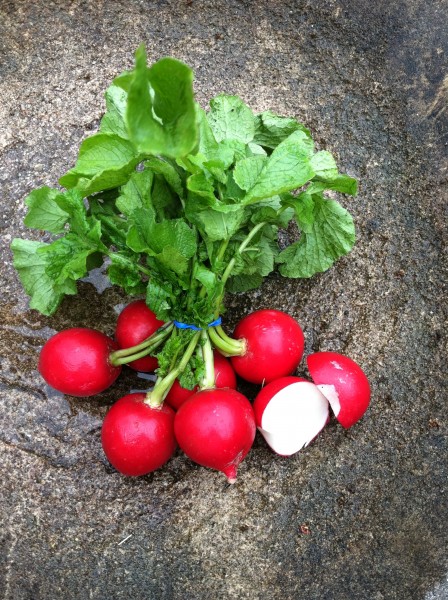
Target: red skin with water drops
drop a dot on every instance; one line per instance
(216, 429)
(136, 438)
(76, 362)
(274, 346)
(224, 378)
(135, 324)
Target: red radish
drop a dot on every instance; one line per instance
(136, 438)
(274, 346)
(216, 429)
(289, 413)
(343, 383)
(76, 362)
(135, 323)
(224, 378)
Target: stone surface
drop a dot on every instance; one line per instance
(359, 514)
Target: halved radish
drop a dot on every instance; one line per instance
(343, 383)
(289, 413)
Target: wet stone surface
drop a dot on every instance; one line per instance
(359, 514)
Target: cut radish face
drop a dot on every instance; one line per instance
(289, 413)
(343, 383)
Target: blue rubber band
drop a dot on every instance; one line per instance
(215, 323)
(180, 325)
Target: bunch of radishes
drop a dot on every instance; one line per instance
(213, 424)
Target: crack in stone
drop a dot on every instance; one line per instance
(60, 464)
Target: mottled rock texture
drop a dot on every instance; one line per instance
(361, 513)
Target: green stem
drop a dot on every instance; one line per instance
(128, 359)
(207, 353)
(156, 397)
(222, 250)
(237, 344)
(160, 334)
(241, 248)
(228, 347)
(141, 268)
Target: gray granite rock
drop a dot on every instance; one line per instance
(361, 513)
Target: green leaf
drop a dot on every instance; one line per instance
(340, 183)
(165, 201)
(268, 214)
(205, 276)
(136, 193)
(255, 150)
(173, 348)
(216, 225)
(124, 271)
(67, 256)
(113, 227)
(327, 175)
(44, 212)
(171, 258)
(287, 168)
(194, 372)
(105, 161)
(209, 147)
(248, 170)
(172, 177)
(170, 242)
(160, 298)
(271, 129)
(161, 112)
(325, 237)
(176, 234)
(263, 261)
(243, 283)
(231, 119)
(72, 203)
(116, 98)
(232, 190)
(101, 152)
(201, 193)
(304, 207)
(45, 294)
(238, 148)
(258, 259)
(324, 164)
(142, 220)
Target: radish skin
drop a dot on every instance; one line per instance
(274, 346)
(216, 429)
(344, 384)
(136, 438)
(136, 323)
(76, 362)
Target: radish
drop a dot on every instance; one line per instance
(274, 346)
(135, 323)
(216, 429)
(136, 438)
(289, 413)
(224, 378)
(343, 383)
(77, 362)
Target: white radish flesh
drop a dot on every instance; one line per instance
(293, 417)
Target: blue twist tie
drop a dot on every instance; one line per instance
(180, 325)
